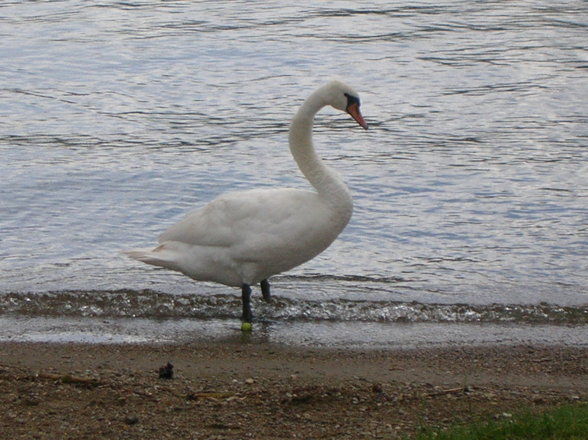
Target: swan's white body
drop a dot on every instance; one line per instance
(245, 237)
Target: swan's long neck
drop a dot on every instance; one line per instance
(325, 180)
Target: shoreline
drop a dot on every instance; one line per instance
(237, 389)
(353, 335)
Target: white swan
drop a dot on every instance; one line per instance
(242, 238)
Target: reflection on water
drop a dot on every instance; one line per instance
(470, 186)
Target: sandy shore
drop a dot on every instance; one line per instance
(263, 391)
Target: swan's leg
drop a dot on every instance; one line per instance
(246, 299)
(265, 290)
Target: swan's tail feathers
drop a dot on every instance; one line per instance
(160, 256)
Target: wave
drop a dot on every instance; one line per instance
(152, 304)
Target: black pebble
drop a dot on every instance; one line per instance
(166, 372)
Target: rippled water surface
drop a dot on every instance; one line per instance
(470, 188)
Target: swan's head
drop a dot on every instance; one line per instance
(342, 97)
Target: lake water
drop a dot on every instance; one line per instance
(470, 188)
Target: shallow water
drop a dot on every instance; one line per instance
(357, 335)
(470, 188)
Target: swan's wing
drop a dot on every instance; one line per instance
(235, 218)
(207, 226)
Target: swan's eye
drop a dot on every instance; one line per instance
(351, 100)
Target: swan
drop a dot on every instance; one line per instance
(242, 238)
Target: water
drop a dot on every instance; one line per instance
(470, 188)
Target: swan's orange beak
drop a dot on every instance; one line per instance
(353, 110)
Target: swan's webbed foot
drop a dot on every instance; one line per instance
(246, 299)
(265, 290)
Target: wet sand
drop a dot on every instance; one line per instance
(237, 390)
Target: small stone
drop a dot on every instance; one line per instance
(166, 372)
(31, 401)
(131, 420)
(377, 388)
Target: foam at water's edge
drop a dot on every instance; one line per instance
(157, 305)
